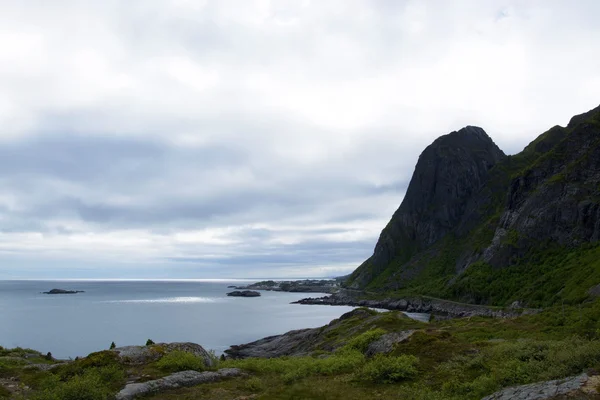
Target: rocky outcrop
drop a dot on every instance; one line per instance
(573, 387)
(243, 293)
(63, 291)
(139, 355)
(175, 381)
(385, 344)
(436, 307)
(292, 343)
(448, 173)
(304, 341)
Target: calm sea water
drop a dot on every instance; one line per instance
(129, 312)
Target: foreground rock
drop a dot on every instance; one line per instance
(437, 307)
(574, 386)
(175, 381)
(138, 355)
(63, 291)
(243, 293)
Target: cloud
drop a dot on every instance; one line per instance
(246, 138)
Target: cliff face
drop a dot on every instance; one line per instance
(494, 208)
(555, 200)
(448, 173)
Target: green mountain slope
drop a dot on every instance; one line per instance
(478, 226)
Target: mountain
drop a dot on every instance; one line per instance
(479, 226)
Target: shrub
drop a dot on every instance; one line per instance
(362, 341)
(180, 361)
(149, 342)
(296, 368)
(112, 346)
(254, 384)
(388, 369)
(93, 384)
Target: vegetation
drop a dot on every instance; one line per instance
(180, 361)
(451, 359)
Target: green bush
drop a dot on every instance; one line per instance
(388, 369)
(93, 384)
(150, 342)
(296, 368)
(254, 384)
(362, 341)
(180, 361)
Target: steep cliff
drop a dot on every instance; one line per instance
(471, 213)
(449, 172)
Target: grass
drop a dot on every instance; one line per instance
(453, 359)
(180, 361)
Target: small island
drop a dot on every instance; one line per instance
(243, 293)
(63, 291)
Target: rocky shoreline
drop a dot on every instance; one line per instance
(300, 286)
(436, 307)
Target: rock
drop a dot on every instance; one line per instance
(515, 305)
(549, 389)
(305, 341)
(385, 344)
(138, 355)
(293, 343)
(436, 307)
(175, 381)
(243, 293)
(63, 291)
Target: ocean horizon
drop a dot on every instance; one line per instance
(130, 311)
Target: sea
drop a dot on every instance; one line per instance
(128, 312)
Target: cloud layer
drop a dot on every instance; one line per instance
(255, 138)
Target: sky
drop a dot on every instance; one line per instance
(256, 138)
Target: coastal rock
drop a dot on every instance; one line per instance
(300, 286)
(573, 386)
(63, 291)
(138, 355)
(305, 341)
(293, 343)
(243, 293)
(385, 344)
(175, 381)
(437, 307)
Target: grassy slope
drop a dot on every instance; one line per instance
(454, 359)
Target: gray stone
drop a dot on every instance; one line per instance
(175, 381)
(385, 344)
(137, 355)
(549, 389)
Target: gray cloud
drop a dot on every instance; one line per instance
(250, 138)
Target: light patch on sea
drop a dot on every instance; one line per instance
(168, 300)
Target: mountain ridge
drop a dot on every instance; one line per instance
(468, 205)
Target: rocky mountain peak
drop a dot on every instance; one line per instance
(447, 174)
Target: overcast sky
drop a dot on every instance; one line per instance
(205, 139)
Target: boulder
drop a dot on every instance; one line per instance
(138, 355)
(175, 381)
(571, 386)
